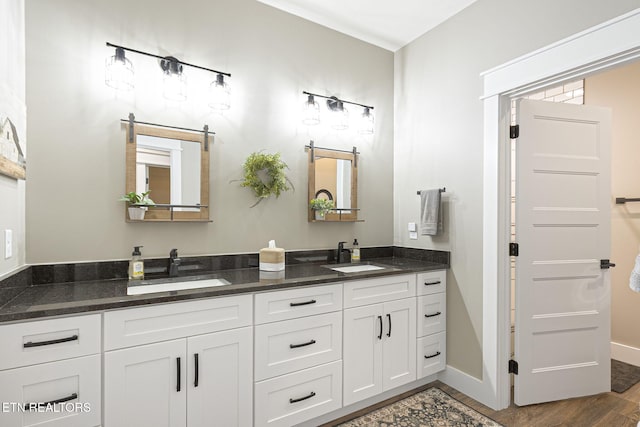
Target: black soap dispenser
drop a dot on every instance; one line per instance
(136, 265)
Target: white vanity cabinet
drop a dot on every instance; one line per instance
(51, 361)
(380, 338)
(180, 379)
(432, 322)
(298, 354)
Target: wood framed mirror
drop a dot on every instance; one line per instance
(333, 175)
(173, 165)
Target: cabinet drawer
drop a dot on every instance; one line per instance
(371, 291)
(432, 354)
(432, 282)
(43, 341)
(293, 398)
(297, 344)
(76, 381)
(292, 303)
(432, 314)
(135, 326)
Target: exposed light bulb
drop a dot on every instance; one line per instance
(175, 82)
(366, 122)
(119, 71)
(219, 94)
(310, 112)
(340, 117)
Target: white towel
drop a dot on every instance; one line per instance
(634, 280)
(430, 213)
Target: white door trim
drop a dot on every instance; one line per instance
(614, 42)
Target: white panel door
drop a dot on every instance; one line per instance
(144, 386)
(562, 329)
(362, 352)
(220, 379)
(399, 343)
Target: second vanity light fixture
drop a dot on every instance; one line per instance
(119, 75)
(339, 115)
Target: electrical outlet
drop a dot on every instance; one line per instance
(8, 244)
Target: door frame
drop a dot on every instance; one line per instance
(603, 46)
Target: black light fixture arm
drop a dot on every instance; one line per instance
(164, 58)
(337, 99)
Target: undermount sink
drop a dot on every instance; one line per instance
(149, 287)
(356, 268)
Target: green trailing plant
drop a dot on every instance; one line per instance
(321, 205)
(134, 198)
(264, 174)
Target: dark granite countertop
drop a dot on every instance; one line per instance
(39, 301)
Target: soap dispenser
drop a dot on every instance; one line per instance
(136, 265)
(355, 252)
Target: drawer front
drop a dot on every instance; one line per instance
(432, 354)
(76, 381)
(293, 398)
(432, 282)
(44, 341)
(372, 291)
(432, 314)
(292, 303)
(136, 326)
(292, 345)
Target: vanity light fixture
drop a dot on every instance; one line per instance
(119, 71)
(339, 113)
(174, 77)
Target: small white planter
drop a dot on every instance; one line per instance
(136, 213)
(319, 215)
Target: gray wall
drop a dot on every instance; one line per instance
(12, 83)
(438, 134)
(77, 155)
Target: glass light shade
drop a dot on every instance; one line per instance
(219, 94)
(119, 71)
(366, 122)
(340, 117)
(310, 112)
(175, 86)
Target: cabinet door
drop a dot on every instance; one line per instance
(145, 386)
(362, 356)
(74, 383)
(220, 379)
(399, 338)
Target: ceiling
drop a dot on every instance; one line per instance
(390, 24)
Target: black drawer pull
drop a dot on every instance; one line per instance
(51, 402)
(437, 353)
(304, 344)
(297, 304)
(389, 318)
(437, 282)
(197, 368)
(178, 379)
(302, 398)
(437, 313)
(41, 343)
(380, 335)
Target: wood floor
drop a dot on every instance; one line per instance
(603, 410)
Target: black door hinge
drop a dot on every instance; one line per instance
(514, 249)
(513, 367)
(514, 131)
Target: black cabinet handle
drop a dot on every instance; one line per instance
(51, 402)
(437, 353)
(178, 365)
(380, 335)
(437, 313)
(197, 367)
(304, 344)
(41, 343)
(437, 282)
(302, 398)
(297, 304)
(389, 319)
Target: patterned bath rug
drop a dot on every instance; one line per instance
(623, 376)
(432, 407)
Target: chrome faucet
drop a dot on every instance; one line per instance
(341, 258)
(174, 263)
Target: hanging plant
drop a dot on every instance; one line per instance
(264, 174)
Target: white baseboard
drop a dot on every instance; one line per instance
(467, 384)
(625, 353)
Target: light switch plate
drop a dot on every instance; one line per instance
(8, 244)
(413, 235)
(412, 226)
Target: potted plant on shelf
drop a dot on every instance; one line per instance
(136, 212)
(321, 207)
